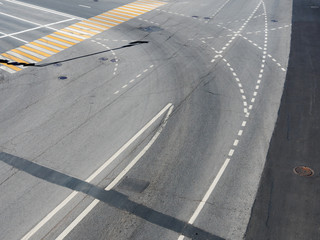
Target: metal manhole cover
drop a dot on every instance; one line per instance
(303, 171)
(151, 29)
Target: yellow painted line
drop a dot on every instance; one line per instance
(126, 12)
(12, 67)
(64, 38)
(61, 40)
(77, 33)
(45, 47)
(105, 27)
(13, 58)
(131, 10)
(139, 8)
(26, 55)
(116, 17)
(53, 43)
(108, 19)
(87, 26)
(121, 15)
(103, 22)
(36, 51)
(68, 36)
(83, 30)
(142, 9)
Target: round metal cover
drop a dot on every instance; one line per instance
(303, 171)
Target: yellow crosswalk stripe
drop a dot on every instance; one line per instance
(26, 55)
(83, 30)
(103, 22)
(55, 42)
(36, 51)
(45, 47)
(52, 43)
(87, 26)
(121, 15)
(13, 58)
(96, 24)
(61, 40)
(126, 12)
(131, 11)
(68, 36)
(112, 16)
(108, 19)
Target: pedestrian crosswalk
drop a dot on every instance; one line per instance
(56, 42)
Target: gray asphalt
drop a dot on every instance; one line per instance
(286, 206)
(69, 128)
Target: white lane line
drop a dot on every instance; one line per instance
(210, 190)
(35, 28)
(7, 35)
(44, 9)
(120, 176)
(96, 173)
(24, 20)
(84, 6)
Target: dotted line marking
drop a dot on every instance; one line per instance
(113, 40)
(269, 55)
(113, 53)
(236, 34)
(263, 61)
(243, 96)
(148, 21)
(218, 10)
(134, 79)
(240, 20)
(272, 29)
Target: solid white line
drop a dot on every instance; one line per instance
(44, 9)
(7, 35)
(208, 193)
(117, 179)
(95, 174)
(84, 6)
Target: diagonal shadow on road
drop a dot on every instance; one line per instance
(112, 198)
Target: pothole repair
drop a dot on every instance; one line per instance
(303, 171)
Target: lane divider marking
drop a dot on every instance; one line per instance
(59, 40)
(169, 107)
(85, 212)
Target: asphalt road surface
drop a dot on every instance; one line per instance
(287, 205)
(166, 139)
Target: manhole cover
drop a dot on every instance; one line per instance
(103, 59)
(151, 29)
(303, 171)
(62, 77)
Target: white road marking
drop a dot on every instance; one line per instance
(7, 35)
(44, 9)
(35, 28)
(122, 174)
(96, 173)
(84, 6)
(25, 20)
